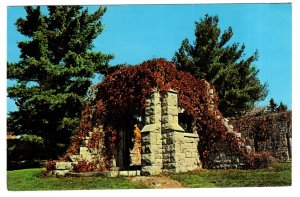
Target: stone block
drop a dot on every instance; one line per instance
(158, 162)
(248, 149)
(158, 150)
(172, 100)
(123, 173)
(85, 142)
(146, 149)
(195, 145)
(147, 159)
(175, 118)
(188, 154)
(63, 166)
(74, 158)
(151, 128)
(86, 156)
(87, 138)
(239, 135)
(60, 173)
(132, 173)
(83, 150)
(172, 127)
(230, 128)
(172, 110)
(112, 174)
(148, 120)
(150, 170)
(148, 102)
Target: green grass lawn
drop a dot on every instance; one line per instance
(280, 175)
(32, 180)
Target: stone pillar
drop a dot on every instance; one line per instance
(172, 134)
(151, 136)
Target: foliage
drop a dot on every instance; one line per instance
(281, 107)
(256, 160)
(122, 96)
(33, 180)
(24, 151)
(278, 175)
(50, 165)
(274, 107)
(211, 57)
(261, 128)
(54, 73)
(84, 166)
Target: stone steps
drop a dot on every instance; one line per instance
(123, 173)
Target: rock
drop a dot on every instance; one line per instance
(63, 166)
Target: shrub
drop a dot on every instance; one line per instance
(50, 165)
(84, 166)
(259, 160)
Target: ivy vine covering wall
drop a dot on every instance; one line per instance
(270, 132)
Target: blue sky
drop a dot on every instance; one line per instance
(135, 33)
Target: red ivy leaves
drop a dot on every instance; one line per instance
(123, 94)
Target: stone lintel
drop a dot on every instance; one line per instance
(151, 127)
(191, 135)
(173, 127)
(172, 91)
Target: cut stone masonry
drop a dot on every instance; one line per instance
(165, 145)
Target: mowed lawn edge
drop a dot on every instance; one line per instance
(276, 176)
(32, 180)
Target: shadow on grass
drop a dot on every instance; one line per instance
(279, 175)
(32, 180)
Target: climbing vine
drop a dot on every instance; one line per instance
(122, 96)
(260, 128)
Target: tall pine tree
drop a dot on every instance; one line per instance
(54, 73)
(222, 64)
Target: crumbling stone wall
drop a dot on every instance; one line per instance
(270, 132)
(224, 158)
(165, 145)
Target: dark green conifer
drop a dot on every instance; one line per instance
(54, 72)
(222, 64)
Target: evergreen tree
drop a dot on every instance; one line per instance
(273, 105)
(223, 65)
(282, 107)
(54, 73)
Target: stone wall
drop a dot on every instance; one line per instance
(165, 145)
(84, 154)
(224, 158)
(270, 132)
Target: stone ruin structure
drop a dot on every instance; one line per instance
(166, 147)
(279, 141)
(163, 147)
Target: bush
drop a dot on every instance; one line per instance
(84, 166)
(259, 160)
(25, 151)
